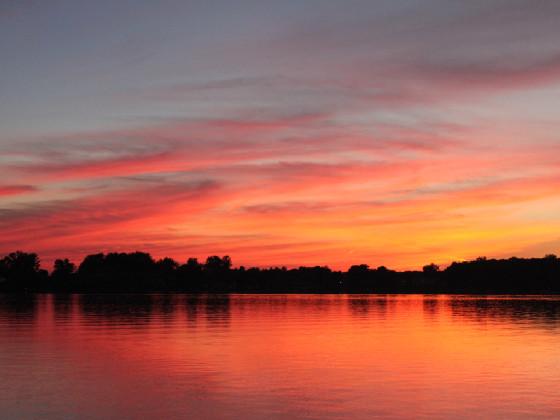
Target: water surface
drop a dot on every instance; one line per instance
(278, 356)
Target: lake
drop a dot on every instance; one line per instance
(166, 356)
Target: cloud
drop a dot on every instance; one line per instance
(93, 215)
(9, 190)
(408, 54)
(450, 80)
(199, 145)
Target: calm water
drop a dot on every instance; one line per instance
(270, 356)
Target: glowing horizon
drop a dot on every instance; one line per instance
(281, 133)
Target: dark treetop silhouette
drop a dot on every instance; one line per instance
(139, 272)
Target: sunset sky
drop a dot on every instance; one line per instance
(292, 133)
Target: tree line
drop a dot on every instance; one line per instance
(140, 272)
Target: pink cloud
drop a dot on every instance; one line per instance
(9, 190)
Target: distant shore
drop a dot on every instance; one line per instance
(139, 272)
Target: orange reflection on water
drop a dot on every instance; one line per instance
(280, 356)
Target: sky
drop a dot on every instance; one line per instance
(291, 133)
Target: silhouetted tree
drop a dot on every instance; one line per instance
(192, 266)
(430, 269)
(22, 270)
(358, 270)
(167, 264)
(138, 271)
(63, 268)
(91, 265)
(166, 271)
(217, 264)
(189, 275)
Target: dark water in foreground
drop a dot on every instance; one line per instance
(287, 356)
